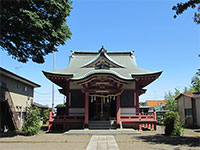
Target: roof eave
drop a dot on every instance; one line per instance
(146, 79)
(158, 73)
(107, 73)
(48, 73)
(22, 79)
(58, 79)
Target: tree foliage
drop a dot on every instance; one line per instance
(142, 103)
(173, 125)
(31, 29)
(32, 122)
(172, 104)
(46, 115)
(181, 7)
(196, 84)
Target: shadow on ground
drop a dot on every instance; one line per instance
(171, 140)
(8, 134)
(47, 132)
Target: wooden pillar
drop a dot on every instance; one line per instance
(140, 126)
(67, 98)
(154, 116)
(118, 109)
(50, 119)
(86, 108)
(149, 126)
(137, 103)
(152, 126)
(102, 102)
(1, 117)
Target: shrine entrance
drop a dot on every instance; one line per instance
(102, 108)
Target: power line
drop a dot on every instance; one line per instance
(46, 93)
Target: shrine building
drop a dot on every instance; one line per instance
(102, 90)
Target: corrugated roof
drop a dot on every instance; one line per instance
(153, 103)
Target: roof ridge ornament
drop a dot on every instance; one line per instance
(102, 61)
(102, 50)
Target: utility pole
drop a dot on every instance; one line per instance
(53, 84)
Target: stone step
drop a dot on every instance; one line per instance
(101, 125)
(102, 132)
(99, 122)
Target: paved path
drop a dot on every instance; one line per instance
(102, 142)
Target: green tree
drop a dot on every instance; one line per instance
(31, 29)
(142, 103)
(173, 125)
(195, 84)
(46, 115)
(181, 7)
(32, 122)
(172, 104)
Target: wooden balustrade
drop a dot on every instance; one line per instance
(139, 117)
(143, 120)
(64, 118)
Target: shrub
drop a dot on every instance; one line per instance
(173, 125)
(32, 122)
(46, 115)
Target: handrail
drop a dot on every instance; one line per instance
(64, 117)
(139, 117)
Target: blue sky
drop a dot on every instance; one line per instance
(160, 42)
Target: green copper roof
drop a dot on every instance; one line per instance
(125, 65)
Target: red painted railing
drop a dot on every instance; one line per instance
(139, 118)
(64, 119)
(143, 120)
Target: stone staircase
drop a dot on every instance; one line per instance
(102, 124)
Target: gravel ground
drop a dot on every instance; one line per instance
(42, 141)
(148, 140)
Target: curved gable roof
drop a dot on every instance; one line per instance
(82, 64)
(102, 57)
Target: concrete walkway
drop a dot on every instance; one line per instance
(102, 142)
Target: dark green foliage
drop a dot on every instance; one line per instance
(61, 105)
(142, 103)
(31, 29)
(46, 115)
(181, 7)
(173, 125)
(32, 122)
(196, 83)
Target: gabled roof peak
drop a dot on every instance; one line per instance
(102, 61)
(102, 50)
